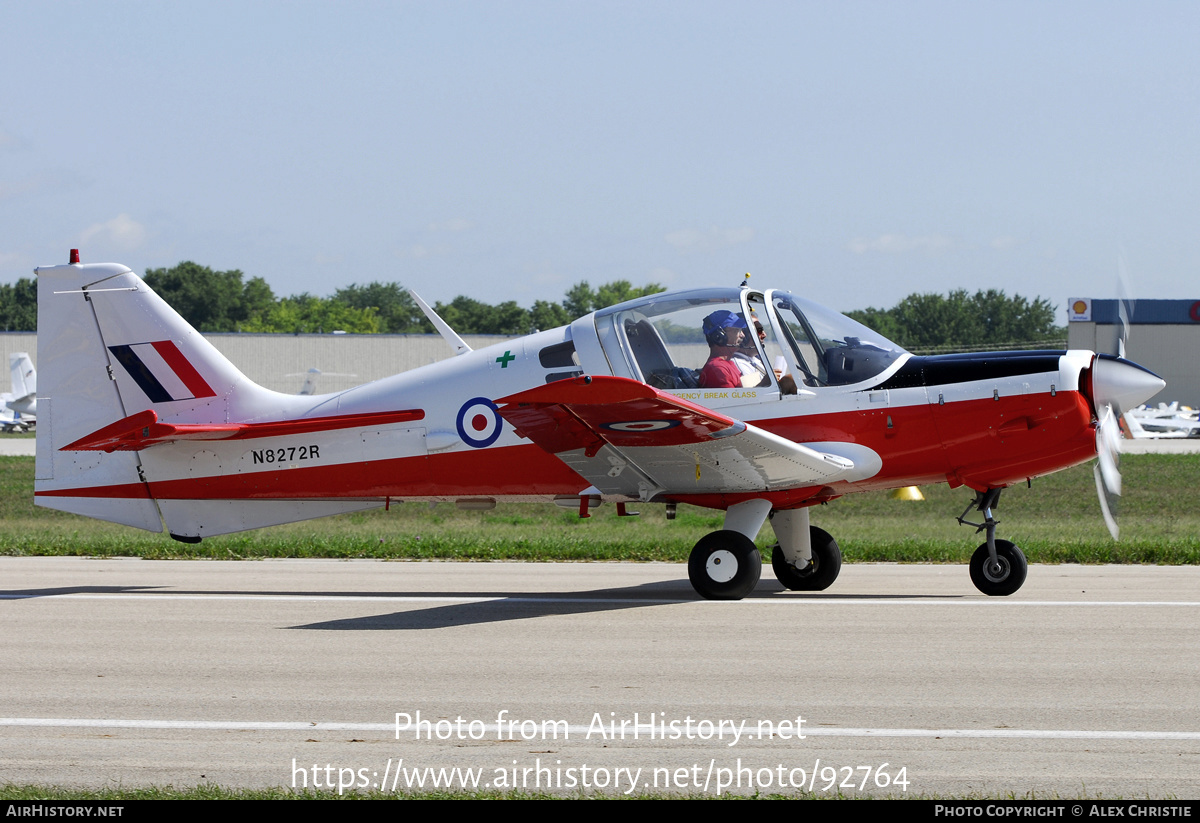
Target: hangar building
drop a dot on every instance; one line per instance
(1164, 336)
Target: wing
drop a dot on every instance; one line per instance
(629, 439)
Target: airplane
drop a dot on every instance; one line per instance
(150, 426)
(10, 421)
(23, 398)
(309, 386)
(1163, 422)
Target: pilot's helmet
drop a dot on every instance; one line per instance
(718, 321)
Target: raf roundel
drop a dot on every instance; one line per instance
(478, 422)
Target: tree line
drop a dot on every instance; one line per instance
(985, 319)
(226, 301)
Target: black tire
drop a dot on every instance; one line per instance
(818, 575)
(724, 565)
(1006, 576)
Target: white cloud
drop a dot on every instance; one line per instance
(689, 240)
(1004, 242)
(900, 244)
(122, 233)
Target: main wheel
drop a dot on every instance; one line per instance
(724, 565)
(819, 574)
(1004, 576)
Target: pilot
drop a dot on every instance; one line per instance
(724, 331)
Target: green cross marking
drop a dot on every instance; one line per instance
(505, 359)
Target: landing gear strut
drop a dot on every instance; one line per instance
(806, 559)
(998, 567)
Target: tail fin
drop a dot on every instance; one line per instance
(79, 387)
(115, 361)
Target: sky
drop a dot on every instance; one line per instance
(851, 152)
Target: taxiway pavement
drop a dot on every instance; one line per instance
(288, 672)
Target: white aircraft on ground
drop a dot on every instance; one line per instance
(662, 399)
(18, 408)
(310, 380)
(24, 384)
(1162, 422)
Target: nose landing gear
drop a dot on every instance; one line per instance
(998, 567)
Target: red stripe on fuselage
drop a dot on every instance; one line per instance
(501, 472)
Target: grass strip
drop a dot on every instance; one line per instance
(1056, 521)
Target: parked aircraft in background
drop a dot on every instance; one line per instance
(755, 402)
(10, 421)
(310, 380)
(1162, 422)
(24, 385)
(18, 408)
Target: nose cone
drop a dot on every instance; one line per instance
(1122, 384)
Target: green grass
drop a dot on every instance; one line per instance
(1057, 521)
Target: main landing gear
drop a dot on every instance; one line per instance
(726, 565)
(998, 567)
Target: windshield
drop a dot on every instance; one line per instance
(830, 349)
(699, 339)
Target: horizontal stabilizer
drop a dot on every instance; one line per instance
(143, 430)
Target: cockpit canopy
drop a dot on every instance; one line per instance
(661, 340)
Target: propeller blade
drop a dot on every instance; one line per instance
(1107, 470)
(1106, 506)
(1108, 450)
(1124, 304)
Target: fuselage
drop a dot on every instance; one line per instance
(983, 420)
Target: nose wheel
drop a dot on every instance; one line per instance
(1001, 576)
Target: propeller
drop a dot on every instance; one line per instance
(1117, 385)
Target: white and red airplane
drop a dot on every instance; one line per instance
(145, 423)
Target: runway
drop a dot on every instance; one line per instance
(609, 677)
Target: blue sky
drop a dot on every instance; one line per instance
(853, 152)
